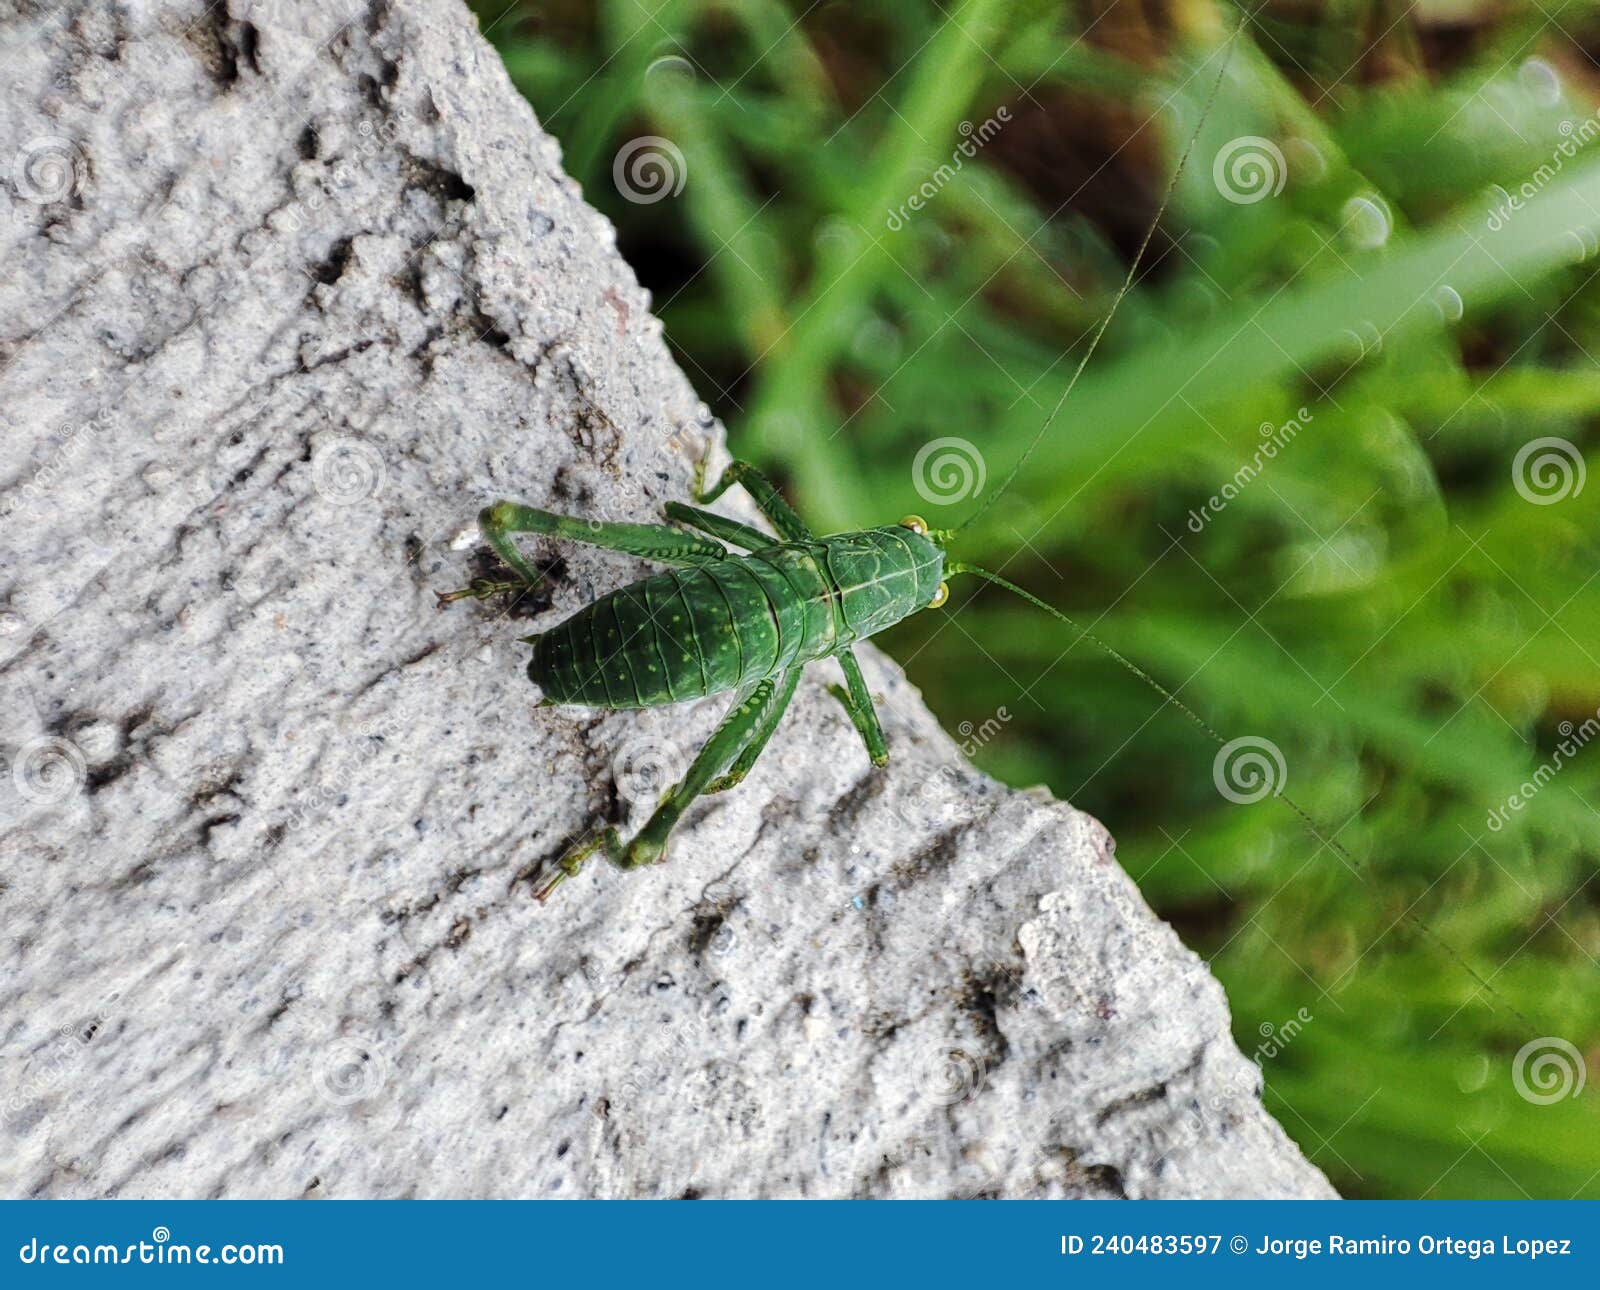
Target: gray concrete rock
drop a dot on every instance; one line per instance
(289, 294)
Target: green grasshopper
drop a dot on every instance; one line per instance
(747, 623)
(718, 622)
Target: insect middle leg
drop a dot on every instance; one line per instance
(657, 542)
(762, 491)
(857, 703)
(745, 723)
(719, 526)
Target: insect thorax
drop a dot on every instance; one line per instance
(881, 576)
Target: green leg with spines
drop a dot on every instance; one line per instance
(744, 722)
(857, 703)
(762, 491)
(658, 542)
(720, 526)
(758, 741)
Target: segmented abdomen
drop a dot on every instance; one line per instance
(678, 635)
(689, 633)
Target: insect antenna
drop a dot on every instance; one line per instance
(1324, 835)
(994, 494)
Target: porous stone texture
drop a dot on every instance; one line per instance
(289, 294)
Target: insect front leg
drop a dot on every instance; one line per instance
(762, 491)
(744, 722)
(857, 702)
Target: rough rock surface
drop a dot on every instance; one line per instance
(289, 294)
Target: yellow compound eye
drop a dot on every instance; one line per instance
(916, 524)
(940, 596)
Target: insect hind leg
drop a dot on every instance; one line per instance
(607, 840)
(745, 723)
(761, 736)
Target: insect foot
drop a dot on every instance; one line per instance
(477, 589)
(637, 854)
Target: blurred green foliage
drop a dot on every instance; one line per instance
(1380, 601)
